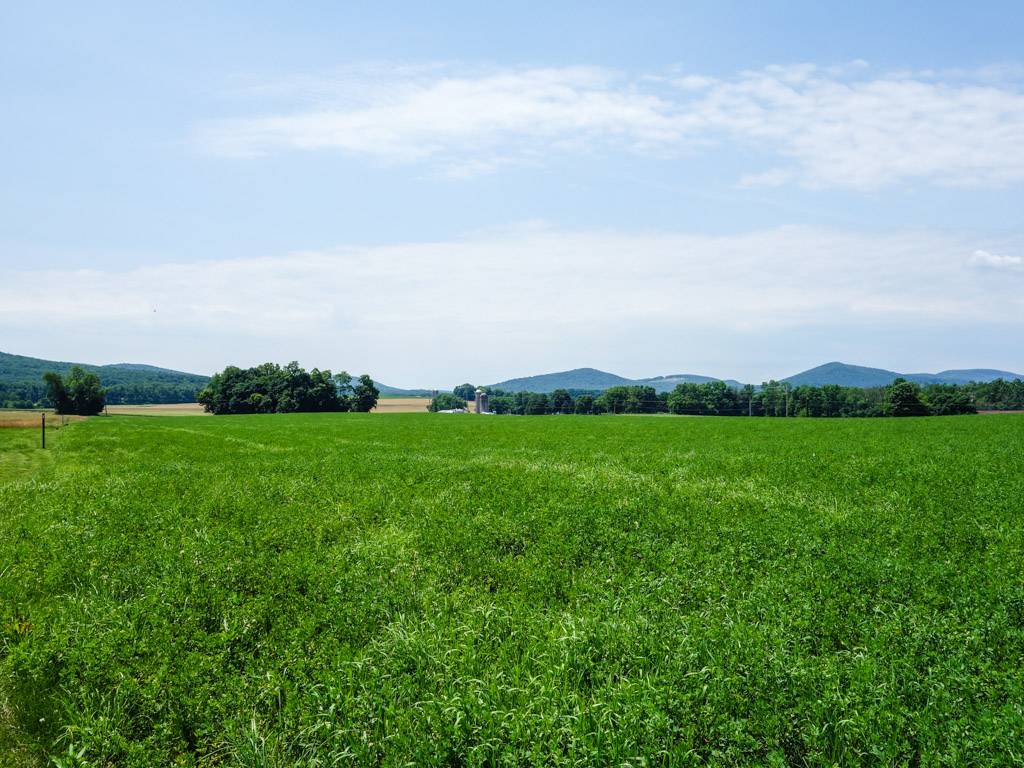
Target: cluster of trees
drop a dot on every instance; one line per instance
(998, 395)
(465, 391)
(271, 388)
(80, 393)
(716, 398)
(447, 401)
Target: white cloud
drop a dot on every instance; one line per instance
(996, 261)
(458, 117)
(834, 127)
(504, 300)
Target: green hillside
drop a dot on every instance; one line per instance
(847, 375)
(21, 381)
(578, 378)
(387, 391)
(592, 379)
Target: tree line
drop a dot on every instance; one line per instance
(271, 388)
(267, 388)
(36, 394)
(773, 398)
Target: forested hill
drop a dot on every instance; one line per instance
(594, 380)
(843, 374)
(21, 381)
(847, 375)
(578, 379)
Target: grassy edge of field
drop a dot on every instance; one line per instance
(21, 455)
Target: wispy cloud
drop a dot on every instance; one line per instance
(525, 289)
(988, 260)
(843, 126)
(456, 119)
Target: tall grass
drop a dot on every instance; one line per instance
(339, 589)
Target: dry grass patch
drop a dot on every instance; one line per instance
(27, 418)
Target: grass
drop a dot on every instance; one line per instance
(320, 590)
(21, 454)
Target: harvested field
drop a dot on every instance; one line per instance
(158, 409)
(402, 405)
(384, 405)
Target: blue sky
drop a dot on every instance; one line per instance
(435, 194)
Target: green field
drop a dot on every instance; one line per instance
(320, 590)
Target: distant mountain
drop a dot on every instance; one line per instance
(593, 379)
(843, 375)
(577, 378)
(387, 391)
(139, 367)
(965, 376)
(860, 376)
(830, 373)
(21, 381)
(668, 383)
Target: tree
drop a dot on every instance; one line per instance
(446, 401)
(561, 401)
(746, 397)
(56, 392)
(903, 398)
(948, 400)
(465, 391)
(364, 395)
(537, 404)
(718, 397)
(630, 399)
(343, 389)
(81, 394)
(585, 404)
(686, 398)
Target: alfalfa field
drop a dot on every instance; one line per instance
(419, 589)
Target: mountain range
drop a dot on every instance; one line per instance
(21, 380)
(843, 374)
(848, 375)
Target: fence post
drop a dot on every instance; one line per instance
(43, 429)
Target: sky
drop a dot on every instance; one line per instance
(448, 192)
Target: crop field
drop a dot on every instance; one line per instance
(384, 405)
(157, 409)
(402, 405)
(347, 589)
